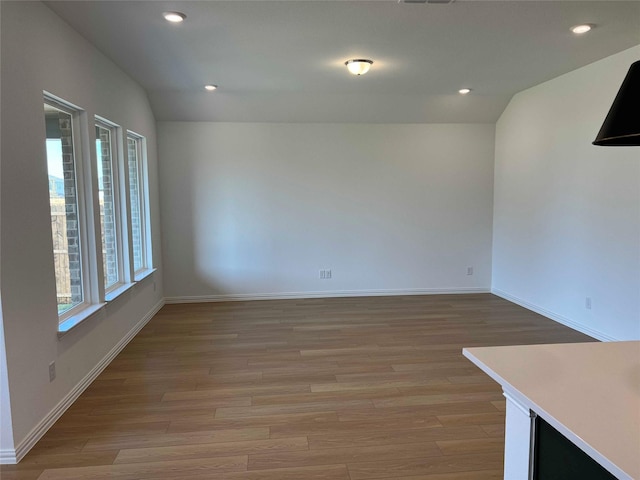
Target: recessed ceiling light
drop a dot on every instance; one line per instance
(174, 17)
(580, 29)
(211, 88)
(358, 66)
(464, 91)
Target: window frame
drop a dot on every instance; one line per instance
(119, 217)
(86, 165)
(84, 209)
(143, 199)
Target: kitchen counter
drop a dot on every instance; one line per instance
(589, 392)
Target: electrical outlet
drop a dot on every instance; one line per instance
(325, 274)
(469, 270)
(587, 303)
(52, 371)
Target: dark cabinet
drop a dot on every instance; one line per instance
(556, 458)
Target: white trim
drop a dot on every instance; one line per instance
(518, 440)
(144, 273)
(8, 457)
(39, 430)
(556, 317)
(240, 297)
(517, 400)
(72, 322)
(119, 290)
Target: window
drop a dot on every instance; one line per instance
(138, 198)
(109, 206)
(85, 195)
(67, 217)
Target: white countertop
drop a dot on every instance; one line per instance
(589, 392)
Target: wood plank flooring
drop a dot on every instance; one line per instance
(325, 389)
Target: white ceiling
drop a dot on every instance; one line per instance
(283, 61)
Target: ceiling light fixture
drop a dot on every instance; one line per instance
(211, 87)
(580, 29)
(358, 66)
(174, 17)
(464, 91)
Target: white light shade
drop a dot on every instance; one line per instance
(174, 17)
(464, 91)
(211, 88)
(580, 29)
(359, 66)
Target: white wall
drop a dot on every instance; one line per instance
(567, 213)
(41, 52)
(252, 209)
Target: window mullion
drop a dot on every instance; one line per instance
(90, 210)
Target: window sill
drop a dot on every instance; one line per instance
(116, 292)
(70, 323)
(142, 274)
(73, 321)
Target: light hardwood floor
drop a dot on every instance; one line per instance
(324, 389)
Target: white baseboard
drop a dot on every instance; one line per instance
(11, 456)
(8, 457)
(556, 317)
(240, 297)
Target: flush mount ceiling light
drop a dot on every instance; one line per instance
(174, 17)
(464, 91)
(580, 29)
(358, 66)
(210, 87)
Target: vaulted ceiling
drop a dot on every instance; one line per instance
(283, 61)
